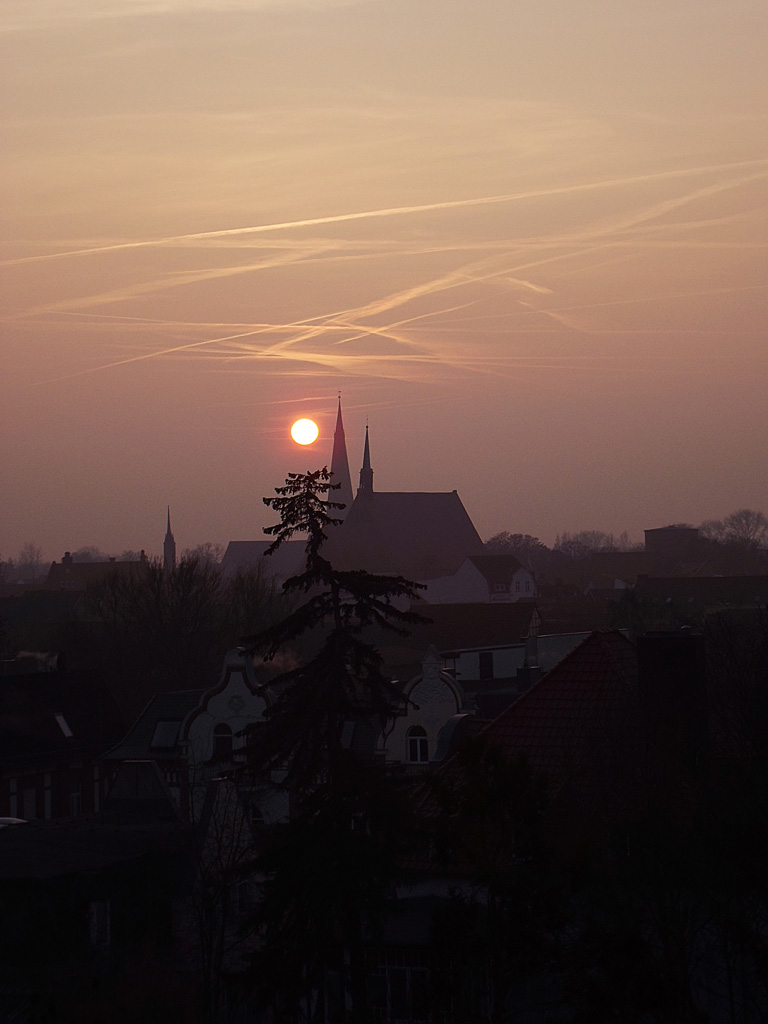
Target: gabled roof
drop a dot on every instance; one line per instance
(154, 736)
(573, 726)
(55, 715)
(420, 535)
(496, 568)
(582, 704)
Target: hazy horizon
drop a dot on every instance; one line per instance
(527, 245)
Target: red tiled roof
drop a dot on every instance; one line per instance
(563, 719)
(577, 718)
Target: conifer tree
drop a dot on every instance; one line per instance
(329, 871)
(343, 680)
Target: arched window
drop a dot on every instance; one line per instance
(418, 746)
(222, 743)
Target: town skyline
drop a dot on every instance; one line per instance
(527, 247)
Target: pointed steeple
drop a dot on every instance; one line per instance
(340, 469)
(169, 546)
(366, 473)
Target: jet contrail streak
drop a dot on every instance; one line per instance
(393, 211)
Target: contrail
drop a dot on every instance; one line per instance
(393, 211)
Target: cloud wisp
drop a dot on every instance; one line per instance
(394, 211)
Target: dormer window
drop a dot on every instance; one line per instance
(418, 745)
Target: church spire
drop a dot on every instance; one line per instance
(169, 546)
(340, 469)
(366, 473)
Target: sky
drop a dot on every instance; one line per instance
(525, 242)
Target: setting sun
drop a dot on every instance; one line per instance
(304, 431)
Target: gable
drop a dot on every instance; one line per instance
(419, 535)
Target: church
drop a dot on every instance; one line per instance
(421, 535)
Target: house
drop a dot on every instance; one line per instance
(88, 909)
(54, 727)
(71, 575)
(430, 700)
(483, 579)
(194, 736)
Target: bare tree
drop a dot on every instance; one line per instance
(522, 545)
(579, 545)
(89, 553)
(746, 527)
(206, 554)
(29, 562)
(216, 925)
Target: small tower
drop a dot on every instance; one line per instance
(169, 546)
(366, 473)
(340, 469)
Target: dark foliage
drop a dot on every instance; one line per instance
(329, 872)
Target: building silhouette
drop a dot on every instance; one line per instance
(421, 535)
(169, 546)
(340, 469)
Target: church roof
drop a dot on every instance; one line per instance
(340, 468)
(420, 535)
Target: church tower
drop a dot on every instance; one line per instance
(340, 469)
(366, 473)
(169, 546)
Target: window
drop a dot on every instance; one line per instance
(222, 743)
(527, 585)
(517, 586)
(486, 664)
(64, 725)
(99, 922)
(165, 735)
(30, 803)
(418, 746)
(399, 985)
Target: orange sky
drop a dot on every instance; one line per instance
(527, 242)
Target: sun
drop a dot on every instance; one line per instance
(304, 431)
